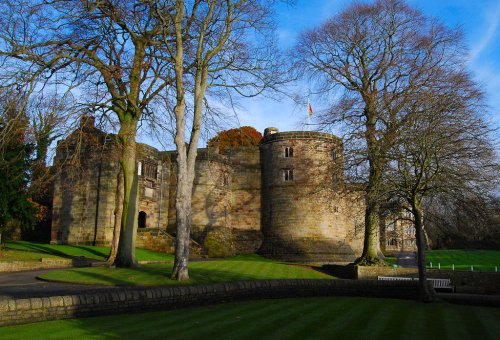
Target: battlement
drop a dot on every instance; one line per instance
(289, 135)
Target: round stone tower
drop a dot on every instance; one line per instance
(305, 215)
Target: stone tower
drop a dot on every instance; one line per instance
(308, 213)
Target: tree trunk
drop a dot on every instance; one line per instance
(118, 217)
(183, 223)
(126, 247)
(371, 243)
(426, 292)
(372, 240)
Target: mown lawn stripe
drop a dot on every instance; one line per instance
(213, 322)
(336, 317)
(453, 323)
(489, 321)
(473, 324)
(380, 324)
(285, 325)
(274, 317)
(307, 322)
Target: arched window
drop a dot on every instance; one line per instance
(142, 219)
(288, 152)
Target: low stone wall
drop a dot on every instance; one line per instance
(465, 281)
(129, 300)
(44, 263)
(371, 273)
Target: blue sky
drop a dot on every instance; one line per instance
(480, 22)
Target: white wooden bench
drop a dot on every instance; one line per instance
(436, 283)
(442, 284)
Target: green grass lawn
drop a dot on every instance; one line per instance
(481, 260)
(16, 255)
(305, 318)
(390, 260)
(250, 267)
(91, 252)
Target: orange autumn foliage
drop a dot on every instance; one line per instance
(243, 136)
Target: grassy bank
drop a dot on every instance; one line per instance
(245, 267)
(480, 260)
(91, 252)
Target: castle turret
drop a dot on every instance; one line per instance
(303, 209)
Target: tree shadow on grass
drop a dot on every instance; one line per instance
(152, 275)
(97, 252)
(109, 277)
(40, 248)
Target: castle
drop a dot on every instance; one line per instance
(286, 198)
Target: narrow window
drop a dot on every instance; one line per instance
(139, 168)
(150, 170)
(288, 152)
(334, 154)
(288, 175)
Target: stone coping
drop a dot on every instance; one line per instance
(44, 263)
(279, 136)
(133, 300)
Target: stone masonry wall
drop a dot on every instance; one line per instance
(83, 204)
(245, 198)
(310, 216)
(44, 263)
(154, 187)
(241, 201)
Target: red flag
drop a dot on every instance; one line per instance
(309, 108)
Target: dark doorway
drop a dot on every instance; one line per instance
(142, 219)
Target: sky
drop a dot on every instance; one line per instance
(479, 20)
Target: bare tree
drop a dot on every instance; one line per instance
(444, 148)
(465, 220)
(49, 115)
(217, 46)
(372, 59)
(107, 48)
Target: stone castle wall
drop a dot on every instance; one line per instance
(225, 204)
(286, 199)
(308, 213)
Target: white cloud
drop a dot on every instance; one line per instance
(492, 17)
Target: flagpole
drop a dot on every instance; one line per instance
(308, 119)
(309, 112)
